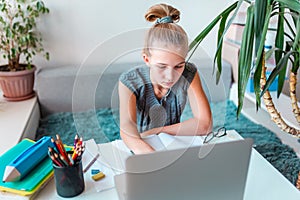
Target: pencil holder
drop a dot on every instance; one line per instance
(69, 180)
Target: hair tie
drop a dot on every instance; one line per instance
(164, 20)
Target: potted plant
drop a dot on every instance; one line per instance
(19, 43)
(287, 48)
(252, 54)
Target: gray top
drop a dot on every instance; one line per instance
(152, 112)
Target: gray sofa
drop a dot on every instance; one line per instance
(81, 88)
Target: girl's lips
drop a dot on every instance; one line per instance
(169, 84)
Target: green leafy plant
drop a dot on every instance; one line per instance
(252, 55)
(18, 37)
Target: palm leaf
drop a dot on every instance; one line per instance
(279, 39)
(296, 48)
(260, 8)
(221, 33)
(193, 45)
(218, 55)
(260, 53)
(245, 58)
(281, 65)
(279, 43)
(291, 4)
(287, 22)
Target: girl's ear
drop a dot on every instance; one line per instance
(146, 59)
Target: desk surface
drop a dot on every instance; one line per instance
(263, 182)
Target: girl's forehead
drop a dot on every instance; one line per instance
(172, 52)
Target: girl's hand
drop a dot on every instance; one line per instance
(153, 131)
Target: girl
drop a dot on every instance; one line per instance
(152, 97)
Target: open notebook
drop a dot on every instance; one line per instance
(113, 154)
(159, 142)
(165, 141)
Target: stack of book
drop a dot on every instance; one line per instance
(29, 185)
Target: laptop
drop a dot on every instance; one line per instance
(209, 172)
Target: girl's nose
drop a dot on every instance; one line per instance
(169, 74)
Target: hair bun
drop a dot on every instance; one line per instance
(162, 11)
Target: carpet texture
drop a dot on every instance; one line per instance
(102, 125)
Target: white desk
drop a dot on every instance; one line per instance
(264, 182)
(17, 121)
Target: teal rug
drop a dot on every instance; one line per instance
(102, 125)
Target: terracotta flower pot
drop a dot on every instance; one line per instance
(17, 86)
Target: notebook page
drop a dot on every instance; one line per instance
(155, 142)
(174, 142)
(121, 153)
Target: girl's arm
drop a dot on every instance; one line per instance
(128, 129)
(200, 124)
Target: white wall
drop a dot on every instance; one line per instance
(97, 31)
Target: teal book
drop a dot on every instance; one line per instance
(33, 181)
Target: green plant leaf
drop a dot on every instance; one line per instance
(291, 4)
(39, 5)
(245, 58)
(8, 33)
(260, 54)
(194, 44)
(281, 65)
(13, 52)
(281, 78)
(269, 53)
(2, 7)
(296, 43)
(279, 38)
(221, 33)
(17, 23)
(260, 8)
(218, 55)
(47, 55)
(292, 31)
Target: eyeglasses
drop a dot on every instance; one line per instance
(219, 133)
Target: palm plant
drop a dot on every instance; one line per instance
(252, 54)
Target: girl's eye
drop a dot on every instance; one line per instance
(179, 66)
(161, 67)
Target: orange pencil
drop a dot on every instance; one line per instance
(63, 152)
(74, 155)
(77, 156)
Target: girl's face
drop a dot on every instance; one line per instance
(166, 67)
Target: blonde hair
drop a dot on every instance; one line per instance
(165, 35)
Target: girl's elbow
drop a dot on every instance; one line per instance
(204, 127)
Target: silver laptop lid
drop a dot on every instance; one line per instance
(211, 171)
